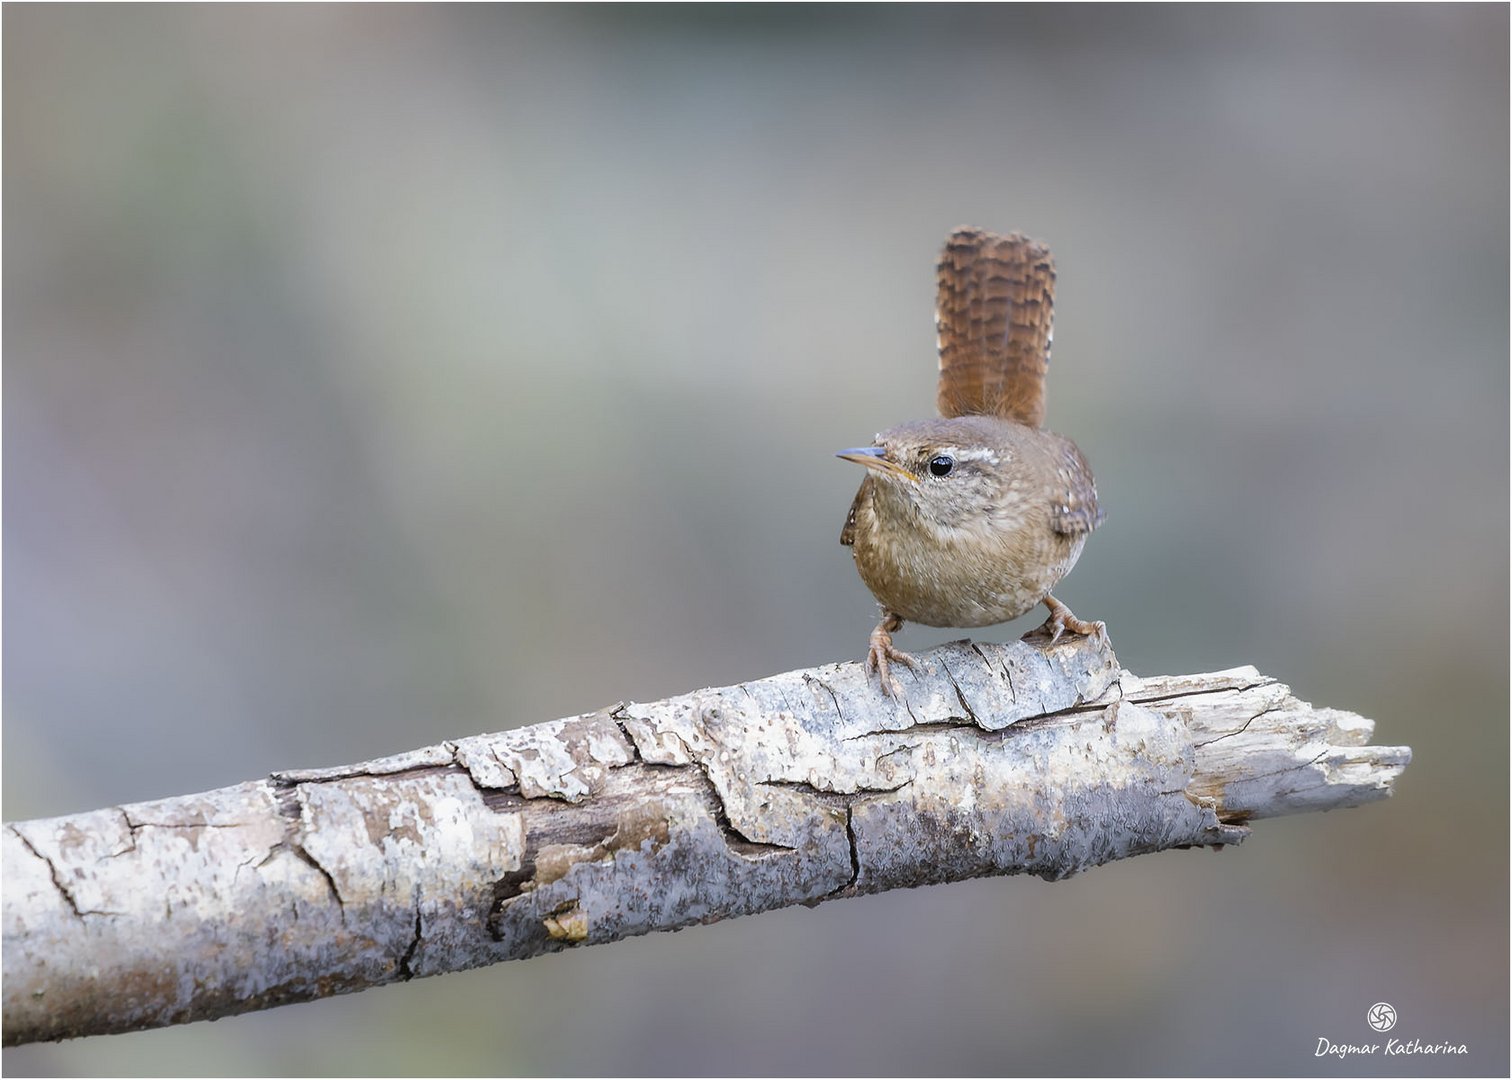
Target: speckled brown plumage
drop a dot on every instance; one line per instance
(983, 545)
(993, 315)
(971, 519)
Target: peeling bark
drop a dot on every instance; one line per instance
(800, 788)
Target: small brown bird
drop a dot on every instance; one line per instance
(972, 519)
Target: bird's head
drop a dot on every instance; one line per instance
(951, 473)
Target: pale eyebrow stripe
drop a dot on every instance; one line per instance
(976, 453)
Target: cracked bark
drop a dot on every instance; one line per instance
(800, 788)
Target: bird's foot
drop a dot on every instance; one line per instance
(883, 652)
(1061, 619)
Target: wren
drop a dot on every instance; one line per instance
(971, 519)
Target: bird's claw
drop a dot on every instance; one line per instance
(1061, 619)
(882, 653)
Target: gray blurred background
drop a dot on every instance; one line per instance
(376, 375)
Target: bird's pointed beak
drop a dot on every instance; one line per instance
(875, 458)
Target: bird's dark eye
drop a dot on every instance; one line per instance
(941, 464)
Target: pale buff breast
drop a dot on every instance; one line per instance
(990, 574)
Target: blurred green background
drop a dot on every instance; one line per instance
(376, 375)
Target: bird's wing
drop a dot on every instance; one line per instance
(1075, 508)
(848, 530)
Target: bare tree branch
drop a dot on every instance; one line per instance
(800, 788)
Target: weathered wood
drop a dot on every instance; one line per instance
(799, 788)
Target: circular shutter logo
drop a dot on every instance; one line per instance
(1382, 1016)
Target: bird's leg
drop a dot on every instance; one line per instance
(882, 652)
(1061, 619)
